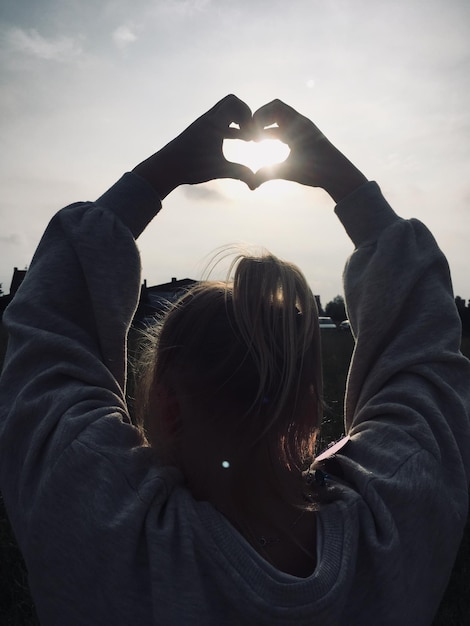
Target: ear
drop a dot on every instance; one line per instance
(166, 408)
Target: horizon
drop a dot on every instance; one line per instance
(144, 283)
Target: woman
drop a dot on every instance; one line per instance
(223, 527)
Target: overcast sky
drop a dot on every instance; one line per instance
(89, 89)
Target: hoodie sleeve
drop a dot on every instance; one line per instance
(65, 368)
(404, 467)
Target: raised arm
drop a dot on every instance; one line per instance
(405, 467)
(64, 377)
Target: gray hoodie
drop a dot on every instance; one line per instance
(110, 538)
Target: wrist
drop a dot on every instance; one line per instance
(343, 187)
(158, 171)
(342, 177)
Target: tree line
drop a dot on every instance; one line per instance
(463, 307)
(337, 311)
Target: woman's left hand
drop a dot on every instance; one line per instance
(196, 155)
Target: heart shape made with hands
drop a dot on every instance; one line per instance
(255, 154)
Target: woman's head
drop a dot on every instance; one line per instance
(240, 363)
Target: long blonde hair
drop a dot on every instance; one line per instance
(253, 345)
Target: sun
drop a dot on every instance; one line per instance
(255, 154)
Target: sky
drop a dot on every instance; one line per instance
(89, 89)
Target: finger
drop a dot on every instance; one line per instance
(219, 104)
(273, 132)
(238, 171)
(275, 112)
(233, 110)
(272, 172)
(238, 133)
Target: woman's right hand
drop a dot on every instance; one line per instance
(313, 160)
(196, 155)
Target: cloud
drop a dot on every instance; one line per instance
(123, 36)
(32, 43)
(13, 239)
(203, 193)
(186, 7)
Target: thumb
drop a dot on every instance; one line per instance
(238, 171)
(271, 172)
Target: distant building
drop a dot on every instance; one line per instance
(319, 306)
(17, 279)
(154, 300)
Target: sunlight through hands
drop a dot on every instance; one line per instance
(255, 155)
